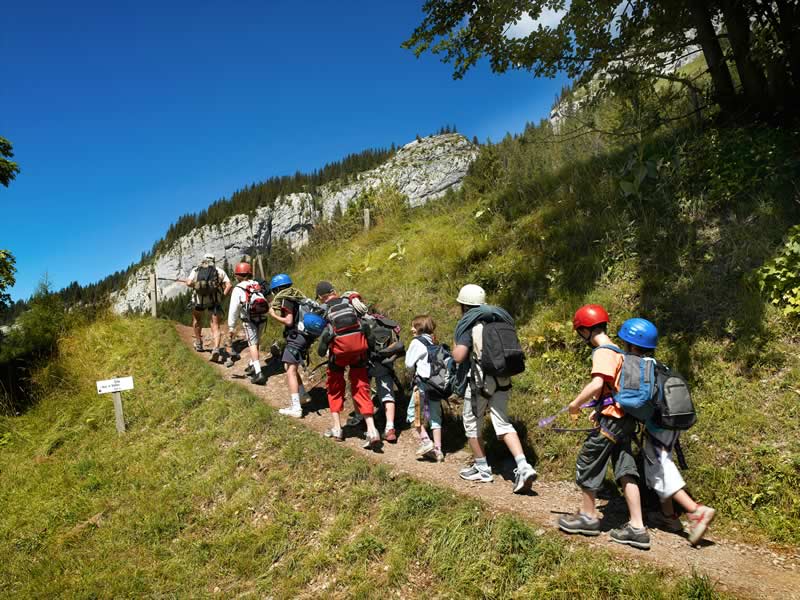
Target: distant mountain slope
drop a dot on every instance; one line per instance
(422, 170)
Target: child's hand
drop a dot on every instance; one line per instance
(574, 411)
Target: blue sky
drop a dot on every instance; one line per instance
(126, 115)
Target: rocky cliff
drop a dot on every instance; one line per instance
(422, 170)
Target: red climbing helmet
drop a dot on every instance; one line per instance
(589, 316)
(243, 268)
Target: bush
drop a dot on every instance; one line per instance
(779, 279)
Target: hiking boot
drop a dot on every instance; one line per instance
(579, 523)
(390, 435)
(523, 478)
(661, 521)
(214, 355)
(438, 455)
(699, 520)
(336, 434)
(292, 411)
(627, 534)
(198, 346)
(373, 442)
(424, 447)
(475, 473)
(260, 379)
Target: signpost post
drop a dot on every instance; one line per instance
(114, 387)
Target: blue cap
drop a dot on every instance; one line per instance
(639, 332)
(280, 280)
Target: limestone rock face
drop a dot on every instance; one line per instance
(422, 171)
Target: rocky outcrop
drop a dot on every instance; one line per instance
(423, 170)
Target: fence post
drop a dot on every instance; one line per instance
(260, 266)
(118, 415)
(366, 219)
(154, 294)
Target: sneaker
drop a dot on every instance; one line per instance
(260, 379)
(372, 442)
(291, 411)
(198, 346)
(229, 362)
(523, 478)
(214, 355)
(438, 455)
(699, 521)
(336, 434)
(627, 534)
(475, 473)
(661, 521)
(579, 523)
(390, 435)
(424, 448)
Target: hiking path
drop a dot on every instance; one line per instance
(742, 569)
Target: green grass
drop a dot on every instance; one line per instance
(546, 228)
(210, 493)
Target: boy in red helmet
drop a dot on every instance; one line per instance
(610, 441)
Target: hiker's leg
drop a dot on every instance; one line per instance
(682, 498)
(197, 320)
(590, 469)
(251, 333)
(359, 387)
(383, 385)
(435, 414)
(588, 503)
(215, 330)
(253, 350)
(472, 428)
(335, 386)
(630, 489)
(292, 377)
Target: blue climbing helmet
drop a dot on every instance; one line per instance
(639, 332)
(314, 324)
(279, 280)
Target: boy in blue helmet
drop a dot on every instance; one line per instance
(640, 338)
(286, 313)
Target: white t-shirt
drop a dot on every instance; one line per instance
(238, 300)
(417, 356)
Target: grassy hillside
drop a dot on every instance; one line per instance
(210, 493)
(671, 227)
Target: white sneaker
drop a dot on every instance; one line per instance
(473, 473)
(292, 411)
(523, 478)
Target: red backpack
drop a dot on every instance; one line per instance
(256, 307)
(349, 344)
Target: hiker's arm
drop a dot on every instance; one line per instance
(591, 390)
(285, 320)
(460, 353)
(396, 350)
(228, 288)
(324, 341)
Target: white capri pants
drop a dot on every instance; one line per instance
(660, 472)
(497, 407)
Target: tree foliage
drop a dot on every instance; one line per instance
(7, 280)
(8, 168)
(617, 44)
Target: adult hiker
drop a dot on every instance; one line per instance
(610, 442)
(210, 284)
(345, 343)
(385, 347)
(249, 304)
(285, 309)
(486, 390)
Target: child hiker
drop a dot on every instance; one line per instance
(640, 338)
(249, 304)
(422, 328)
(610, 442)
(296, 343)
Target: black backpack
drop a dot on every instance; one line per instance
(207, 281)
(672, 403)
(443, 369)
(502, 354)
(382, 333)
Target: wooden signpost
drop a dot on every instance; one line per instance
(115, 386)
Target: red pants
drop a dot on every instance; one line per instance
(359, 386)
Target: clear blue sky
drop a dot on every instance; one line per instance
(126, 115)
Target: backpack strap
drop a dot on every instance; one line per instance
(609, 347)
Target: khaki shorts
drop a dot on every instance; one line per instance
(497, 406)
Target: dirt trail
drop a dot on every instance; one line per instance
(743, 569)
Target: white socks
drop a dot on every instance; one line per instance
(482, 464)
(256, 364)
(295, 401)
(521, 461)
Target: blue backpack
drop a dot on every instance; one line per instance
(443, 369)
(637, 384)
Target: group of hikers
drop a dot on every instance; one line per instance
(628, 391)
